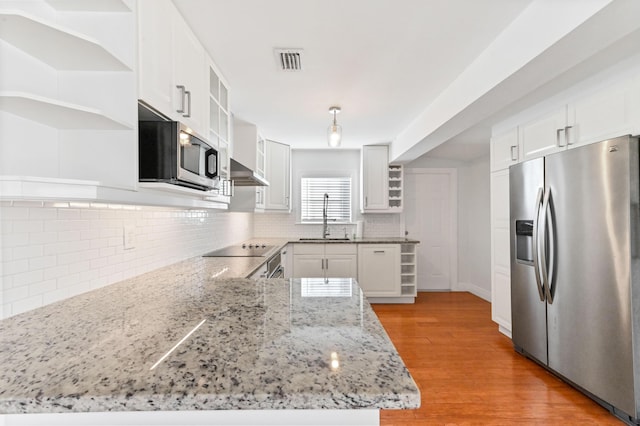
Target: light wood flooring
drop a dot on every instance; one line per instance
(468, 372)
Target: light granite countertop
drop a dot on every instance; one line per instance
(237, 344)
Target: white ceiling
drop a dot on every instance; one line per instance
(431, 76)
(381, 61)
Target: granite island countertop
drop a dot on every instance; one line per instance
(237, 344)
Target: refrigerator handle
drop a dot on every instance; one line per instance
(543, 246)
(534, 243)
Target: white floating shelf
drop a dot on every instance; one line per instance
(63, 49)
(60, 115)
(89, 6)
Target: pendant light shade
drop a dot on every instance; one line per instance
(335, 130)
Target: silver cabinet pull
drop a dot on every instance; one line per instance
(559, 132)
(188, 95)
(567, 135)
(366, 201)
(182, 92)
(514, 154)
(379, 251)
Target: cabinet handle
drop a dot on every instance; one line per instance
(182, 92)
(567, 135)
(514, 152)
(188, 95)
(366, 201)
(558, 138)
(327, 263)
(286, 201)
(379, 251)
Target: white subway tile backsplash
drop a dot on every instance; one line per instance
(51, 251)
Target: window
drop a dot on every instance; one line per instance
(312, 199)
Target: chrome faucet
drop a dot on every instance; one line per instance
(325, 225)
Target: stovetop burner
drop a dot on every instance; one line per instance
(245, 250)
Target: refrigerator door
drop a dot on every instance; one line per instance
(593, 190)
(528, 309)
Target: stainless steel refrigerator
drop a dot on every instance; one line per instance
(575, 271)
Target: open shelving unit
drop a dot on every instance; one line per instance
(395, 187)
(408, 270)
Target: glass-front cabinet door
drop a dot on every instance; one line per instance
(219, 129)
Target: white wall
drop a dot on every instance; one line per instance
(474, 243)
(474, 228)
(52, 251)
(339, 162)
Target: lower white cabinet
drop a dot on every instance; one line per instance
(379, 269)
(325, 260)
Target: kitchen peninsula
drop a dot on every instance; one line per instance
(192, 343)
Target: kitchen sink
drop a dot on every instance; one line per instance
(325, 239)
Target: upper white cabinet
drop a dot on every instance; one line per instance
(220, 130)
(545, 135)
(249, 146)
(172, 65)
(67, 100)
(604, 113)
(381, 183)
(278, 173)
(375, 178)
(504, 150)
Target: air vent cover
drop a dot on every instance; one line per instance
(289, 59)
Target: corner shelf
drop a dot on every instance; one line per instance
(408, 269)
(63, 49)
(89, 6)
(57, 114)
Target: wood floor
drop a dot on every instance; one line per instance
(468, 372)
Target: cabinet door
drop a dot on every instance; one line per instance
(189, 70)
(155, 80)
(375, 177)
(278, 172)
(500, 252)
(379, 270)
(341, 266)
(601, 116)
(504, 150)
(545, 135)
(307, 266)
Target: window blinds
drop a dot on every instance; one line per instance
(312, 198)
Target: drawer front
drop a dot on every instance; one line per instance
(340, 248)
(308, 249)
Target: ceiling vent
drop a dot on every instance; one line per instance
(289, 59)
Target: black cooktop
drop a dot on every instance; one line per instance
(244, 250)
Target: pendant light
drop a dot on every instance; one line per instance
(335, 130)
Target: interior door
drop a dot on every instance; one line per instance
(430, 217)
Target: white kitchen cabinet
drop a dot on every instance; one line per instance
(604, 114)
(172, 65)
(375, 178)
(544, 135)
(248, 150)
(278, 174)
(67, 103)
(380, 182)
(379, 270)
(504, 150)
(325, 260)
(500, 251)
(219, 131)
(249, 146)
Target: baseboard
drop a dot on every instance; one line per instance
(476, 290)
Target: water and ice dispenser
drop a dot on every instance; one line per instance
(524, 241)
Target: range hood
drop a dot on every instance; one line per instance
(241, 175)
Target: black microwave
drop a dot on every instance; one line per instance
(169, 151)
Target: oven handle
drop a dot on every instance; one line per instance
(278, 272)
